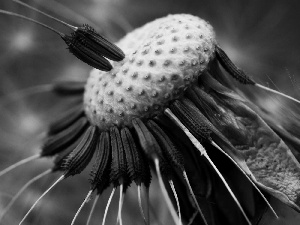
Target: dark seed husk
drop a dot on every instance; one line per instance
(150, 146)
(65, 120)
(138, 168)
(195, 125)
(132, 161)
(98, 43)
(171, 152)
(61, 157)
(85, 54)
(57, 143)
(101, 168)
(118, 164)
(232, 69)
(80, 157)
(68, 88)
(145, 138)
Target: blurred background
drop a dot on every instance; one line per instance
(262, 37)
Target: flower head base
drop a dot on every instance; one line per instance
(163, 58)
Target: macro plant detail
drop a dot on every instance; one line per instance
(162, 102)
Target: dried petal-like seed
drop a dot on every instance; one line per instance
(214, 133)
(118, 164)
(199, 97)
(171, 152)
(68, 87)
(206, 104)
(100, 172)
(66, 120)
(61, 157)
(145, 138)
(132, 160)
(100, 44)
(138, 168)
(86, 54)
(82, 154)
(235, 72)
(196, 127)
(57, 143)
(150, 146)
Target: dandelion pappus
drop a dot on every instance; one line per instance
(145, 140)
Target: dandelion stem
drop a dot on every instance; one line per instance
(121, 201)
(177, 200)
(31, 20)
(165, 193)
(45, 14)
(277, 92)
(92, 209)
(37, 201)
(147, 205)
(67, 12)
(80, 208)
(107, 205)
(140, 205)
(17, 195)
(228, 188)
(194, 197)
(17, 164)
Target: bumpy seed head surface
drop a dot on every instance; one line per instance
(163, 58)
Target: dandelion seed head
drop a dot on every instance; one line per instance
(152, 69)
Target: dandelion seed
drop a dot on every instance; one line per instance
(78, 47)
(85, 43)
(68, 88)
(242, 77)
(99, 43)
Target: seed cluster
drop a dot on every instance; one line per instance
(162, 59)
(92, 48)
